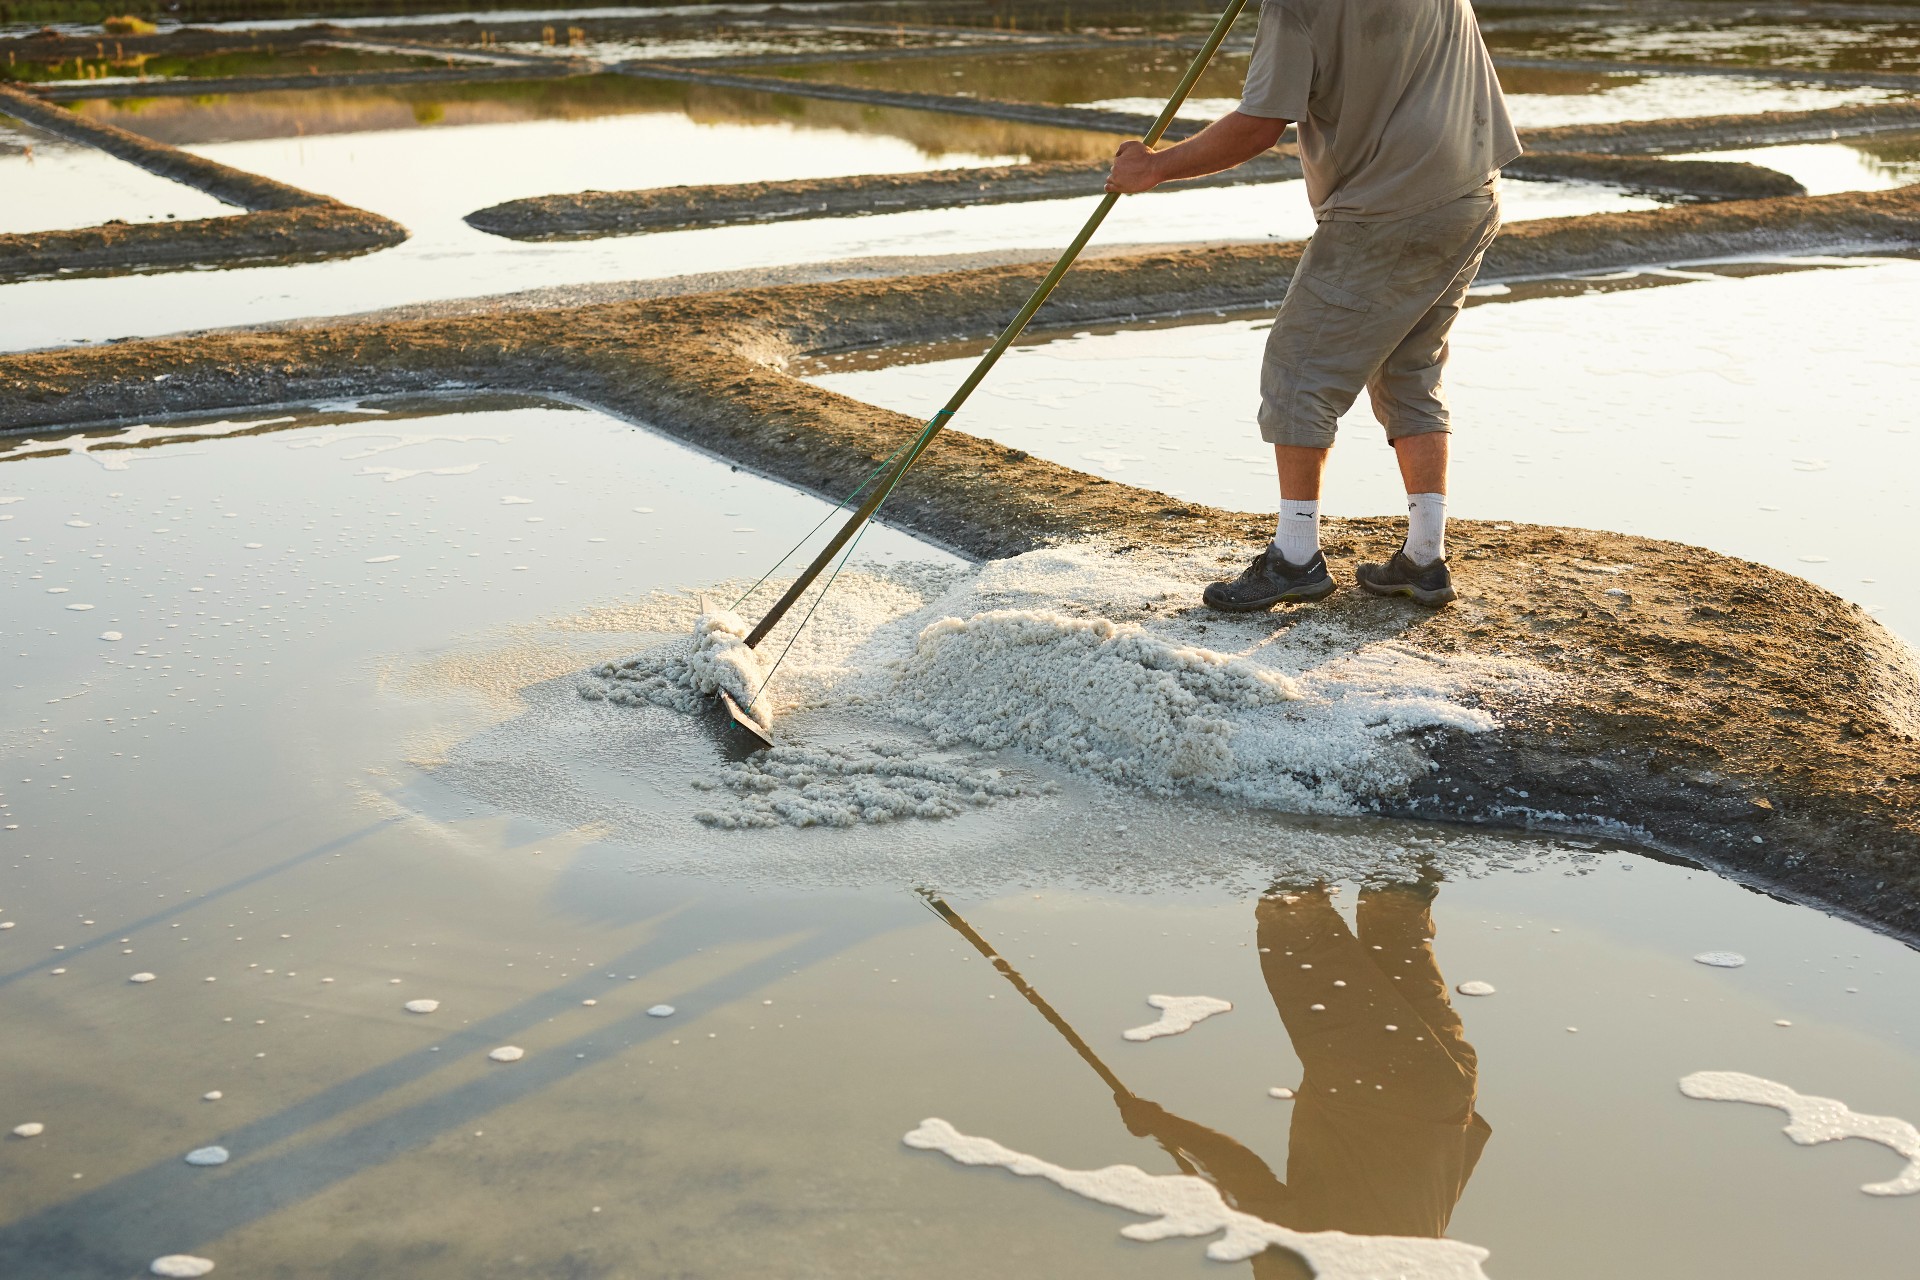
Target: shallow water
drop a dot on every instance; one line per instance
(1127, 80)
(260, 783)
(1815, 43)
(52, 185)
(1698, 412)
(1856, 164)
(453, 170)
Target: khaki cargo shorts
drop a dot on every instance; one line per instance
(1370, 306)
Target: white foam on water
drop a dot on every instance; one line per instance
(381, 559)
(212, 1095)
(421, 1006)
(1177, 1014)
(141, 977)
(1183, 1206)
(508, 1053)
(660, 1011)
(31, 1129)
(181, 1266)
(111, 635)
(1094, 661)
(1475, 988)
(1721, 959)
(1812, 1120)
(208, 1156)
(80, 608)
(1280, 1092)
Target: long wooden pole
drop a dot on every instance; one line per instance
(1007, 338)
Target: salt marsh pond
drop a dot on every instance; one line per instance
(341, 828)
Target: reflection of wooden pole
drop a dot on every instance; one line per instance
(1034, 998)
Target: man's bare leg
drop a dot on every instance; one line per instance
(1300, 470)
(1423, 462)
(1296, 530)
(1420, 569)
(1291, 570)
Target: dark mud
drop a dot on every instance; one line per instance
(463, 73)
(1125, 123)
(283, 223)
(1682, 179)
(603, 213)
(1721, 133)
(588, 214)
(1790, 75)
(1722, 710)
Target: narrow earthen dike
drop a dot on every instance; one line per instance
(1620, 154)
(1719, 709)
(283, 223)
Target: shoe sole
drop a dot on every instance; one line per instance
(1419, 595)
(1305, 595)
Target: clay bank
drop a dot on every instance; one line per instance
(1702, 705)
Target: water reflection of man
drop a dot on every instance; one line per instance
(1384, 1133)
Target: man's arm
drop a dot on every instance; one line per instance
(1231, 140)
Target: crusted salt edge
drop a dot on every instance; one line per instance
(1317, 719)
(1812, 1120)
(1189, 1207)
(1177, 1014)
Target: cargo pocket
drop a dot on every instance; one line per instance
(1333, 294)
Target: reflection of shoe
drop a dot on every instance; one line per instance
(1429, 584)
(1270, 579)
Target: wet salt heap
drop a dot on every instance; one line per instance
(1184, 1206)
(1072, 654)
(718, 661)
(847, 786)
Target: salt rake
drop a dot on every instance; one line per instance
(1121, 1093)
(910, 453)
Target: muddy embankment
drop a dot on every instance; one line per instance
(587, 214)
(1725, 133)
(183, 87)
(1553, 155)
(1896, 80)
(1126, 123)
(283, 223)
(1708, 706)
(601, 213)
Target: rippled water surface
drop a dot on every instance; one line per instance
(246, 795)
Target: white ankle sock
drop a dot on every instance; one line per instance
(1426, 527)
(1297, 535)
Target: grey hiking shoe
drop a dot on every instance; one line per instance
(1268, 581)
(1429, 584)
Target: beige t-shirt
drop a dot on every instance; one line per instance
(1397, 103)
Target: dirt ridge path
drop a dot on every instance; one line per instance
(1714, 708)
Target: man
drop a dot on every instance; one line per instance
(1385, 1130)
(1403, 132)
